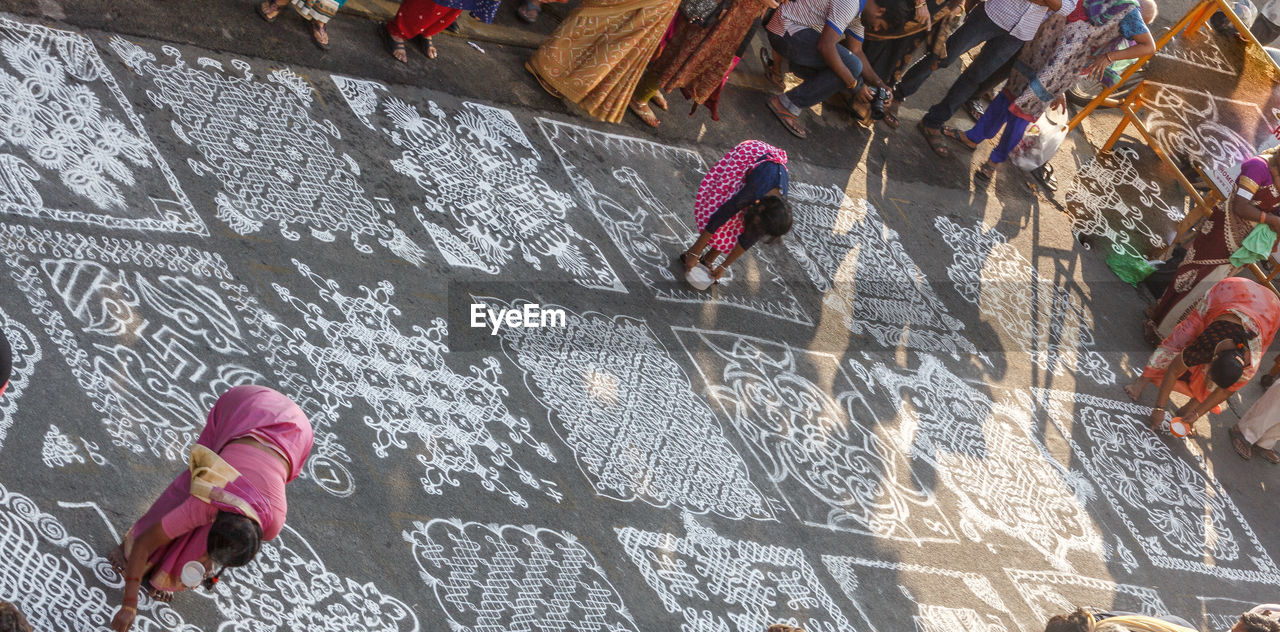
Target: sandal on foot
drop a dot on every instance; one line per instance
(528, 11)
(985, 173)
(269, 10)
(934, 138)
(959, 137)
(319, 36)
(891, 115)
(659, 100)
(1268, 455)
(1238, 443)
(428, 48)
(975, 109)
(789, 120)
(394, 47)
(1044, 175)
(645, 113)
(775, 78)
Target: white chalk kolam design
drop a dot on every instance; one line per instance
(1043, 318)
(491, 578)
(58, 450)
(1181, 516)
(288, 587)
(626, 409)
(1049, 592)
(944, 600)
(276, 163)
(1004, 480)
(1111, 199)
(722, 585)
(865, 274)
(26, 354)
(149, 337)
(485, 204)
(815, 446)
(648, 232)
(1222, 613)
(1215, 133)
(72, 131)
(1203, 53)
(59, 581)
(459, 420)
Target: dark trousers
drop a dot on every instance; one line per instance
(977, 29)
(820, 81)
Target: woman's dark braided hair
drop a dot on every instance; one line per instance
(770, 215)
(234, 540)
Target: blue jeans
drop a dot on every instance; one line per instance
(977, 29)
(820, 81)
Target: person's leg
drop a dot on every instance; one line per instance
(995, 53)
(825, 82)
(992, 121)
(1013, 132)
(977, 28)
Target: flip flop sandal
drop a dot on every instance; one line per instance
(645, 113)
(392, 45)
(270, 17)
(891, 116)
(934, 138)
(1269, 455)
(984, 174)
(1238, 443)
(789, 120)
(1044, 174)
(528, 11)
(316, 30)
(428, 48)
(958, 136)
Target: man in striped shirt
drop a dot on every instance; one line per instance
(808, 34)
(1004, 26)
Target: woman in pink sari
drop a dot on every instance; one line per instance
(739, 201)
(1214, 351)
(217, 514)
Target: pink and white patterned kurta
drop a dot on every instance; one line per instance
(723, 181)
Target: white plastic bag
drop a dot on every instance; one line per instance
(1039, 143)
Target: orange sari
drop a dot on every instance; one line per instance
(1255, 305)
(597, 55)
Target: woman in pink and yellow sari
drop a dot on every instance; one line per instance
(1214, 351)
(217, 514)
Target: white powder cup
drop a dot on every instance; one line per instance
(699, 277)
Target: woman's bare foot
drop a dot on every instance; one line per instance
(1134, 390)
(689, 260)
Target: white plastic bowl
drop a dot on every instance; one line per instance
(699, 277)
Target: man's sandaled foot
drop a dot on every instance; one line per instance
(269, 10)
(934, 138)
(429, 48)
(1238, 443)
(528, 11)
(394, 45)
(891, 115)
(959, 137)
(645, 113)
(319, 35)
(985, 173)
(1268, 455)
(789, 120)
